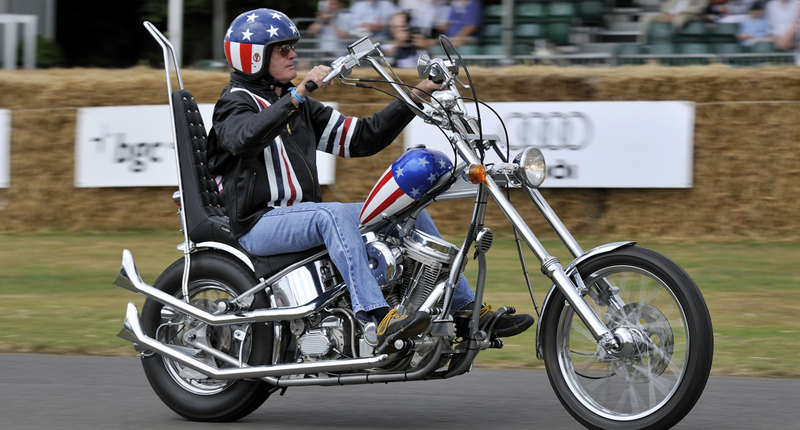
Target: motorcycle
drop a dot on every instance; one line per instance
(624, 332)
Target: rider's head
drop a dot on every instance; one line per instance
(253, 37)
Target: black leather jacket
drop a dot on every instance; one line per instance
(265, 148)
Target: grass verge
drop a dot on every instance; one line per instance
(56, 295)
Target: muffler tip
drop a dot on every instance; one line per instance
(131, 324)
(128, 274)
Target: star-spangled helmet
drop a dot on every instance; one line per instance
(251, 33)
(403, 183)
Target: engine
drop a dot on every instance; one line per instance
(410, 273)
(326, 340)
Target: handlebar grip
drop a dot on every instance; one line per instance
(311, 86)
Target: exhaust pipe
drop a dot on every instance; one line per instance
(132, 331)
(130, 280)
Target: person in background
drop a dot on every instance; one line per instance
(464, 22)
(372, 16)
(332, 28)
(732, 11)
(407, 42)
(429, 16)
(676, 12)
(791, 36)
(781, 16)
(754, 29)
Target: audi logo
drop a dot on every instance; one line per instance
(551, 130)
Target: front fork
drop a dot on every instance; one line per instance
(550, 265)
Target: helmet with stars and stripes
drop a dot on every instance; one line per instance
(250, 36)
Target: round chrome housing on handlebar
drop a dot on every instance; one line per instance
(423, 65)
(435, 68)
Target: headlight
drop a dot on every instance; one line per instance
(532, 167)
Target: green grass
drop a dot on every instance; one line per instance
(56, 294)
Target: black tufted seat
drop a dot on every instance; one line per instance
(206, 217)
(205, 214)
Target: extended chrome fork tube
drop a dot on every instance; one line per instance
(478, 216)
(550, 265)
(555, 222)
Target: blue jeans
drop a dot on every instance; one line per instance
(306, 225)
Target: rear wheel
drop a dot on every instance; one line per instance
(213, 277)
(658, 376)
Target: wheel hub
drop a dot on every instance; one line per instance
(646, 342)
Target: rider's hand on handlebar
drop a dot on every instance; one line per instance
(426, 85)
(316, 75)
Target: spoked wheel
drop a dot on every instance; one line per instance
(213, 278)
(659, 373)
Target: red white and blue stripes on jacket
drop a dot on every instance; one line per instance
(283, 181)
(337, 135)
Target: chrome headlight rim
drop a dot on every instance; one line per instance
(532, 168)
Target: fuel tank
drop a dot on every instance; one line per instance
(403, 183)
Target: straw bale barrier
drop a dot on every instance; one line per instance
(746, 157)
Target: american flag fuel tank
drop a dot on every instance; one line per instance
(404, 182)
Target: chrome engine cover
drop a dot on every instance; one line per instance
(304, 284)
(429, 250)
(315, 343)
(326, 341)
(383, 262)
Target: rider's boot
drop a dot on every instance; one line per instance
(396, 327)
(503, 324)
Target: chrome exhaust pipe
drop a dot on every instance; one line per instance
(132, 331)
(129, 279)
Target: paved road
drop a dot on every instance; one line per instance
(59, 392)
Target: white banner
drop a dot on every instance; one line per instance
(591, 144)
(131, 146)
(5, 148)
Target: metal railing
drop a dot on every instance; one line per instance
(10, 23)
(318, 56)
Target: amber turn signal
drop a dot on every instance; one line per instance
(477, 173)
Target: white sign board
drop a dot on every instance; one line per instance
(131, 146)
(591, 144)
(5, 148)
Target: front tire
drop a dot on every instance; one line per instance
(654, 383)
(213, 277)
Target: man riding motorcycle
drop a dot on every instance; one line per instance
(263, 143)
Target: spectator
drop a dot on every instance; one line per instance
(754, 29)
(429, 16)
(791, 36)
(331, 28)
(676, 12)
(373, 17)
(407, 42)
(781, 15)
(464, 22)
(736, 11)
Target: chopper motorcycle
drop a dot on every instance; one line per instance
(624, 332)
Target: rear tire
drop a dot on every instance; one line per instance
(655, 383)
(213, 276)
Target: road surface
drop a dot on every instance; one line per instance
(75, 393)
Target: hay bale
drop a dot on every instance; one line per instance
(746, 157)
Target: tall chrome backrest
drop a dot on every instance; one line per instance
(169, 54)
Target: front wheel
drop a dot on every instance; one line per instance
(656, 379)
(213, 277)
